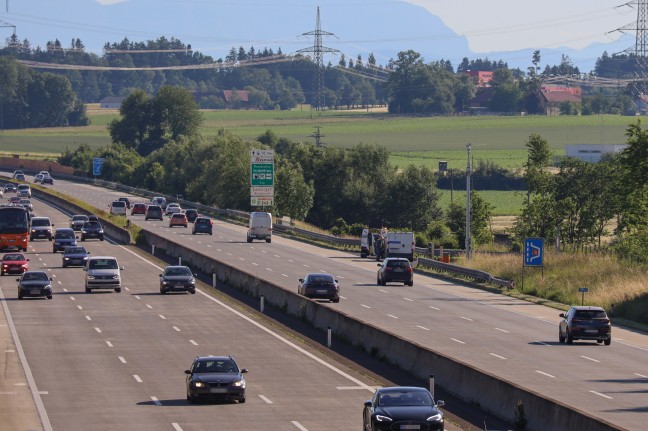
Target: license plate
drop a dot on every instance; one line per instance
(322, 291)
(217, 390)
(34, 292)
(12, 240)
(178, 286)
(592, 331)
(410, 427)
(399, 270)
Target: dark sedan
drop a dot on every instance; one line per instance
(75, 256)
(192, 215)
(395, 269)
(215, 378)
(92, 229)
(177, 278)
(63, 237)
(402, 408)
(585, 323)
(319, 286)
(9, 188)
(34, 283)
(202, 225)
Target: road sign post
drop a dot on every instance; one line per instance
(583, 291)
(261, 178)
(533, 255)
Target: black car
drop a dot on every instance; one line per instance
(154, 212)
(34, 283)
(63, 237)
(93, 217)
(402, 407)
(585, 323)
(319, 286)
(395, 269)
(177, 278)
(47, 180)
(126, 200)
(215, 378)
(92, 229)
(191, 214)
(202, 225)
(75, 256)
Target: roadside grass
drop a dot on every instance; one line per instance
(505, 203)
(608, 279)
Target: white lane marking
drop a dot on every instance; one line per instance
(423, 328)
(641, 375)
(98, 330)
(137, 297)
(602, 395)
(137, 378)
(162, 317)
(343, 297)
(176, 328)
(392, 316)
(365, 306)
(156, 401)
(268, 269)
(502, 330)
(88, 318)
(340, 277)
(229, 254)
(193, 342)
(255, 264)
(407, 299)
(43, 392)
(72, 298)
(383, 291)
(126, 289)
(122, 360)
(8, 393)
(268, 331)
(79, 307)
(299, 426)
(10, 351)
(497, 356)
(209, 246)
(109, 343)
(276, 255)
(148, 306)
(545, 374)
(264, 398)
(467, 318)
(307, 266)
(435, 308)
(218, 249)
(176, 427)
(291, 261)
(458, 341)
(285, 275)
(589, 359)
(241, 258)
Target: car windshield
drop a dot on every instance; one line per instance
(13, 257)
(320, 278)
(177, 271)
(202, 221)
(40, 222)
(119, 204)
(64, 234)
(103, 264)
(590, 314)
(154, 208)
(405, 398)
(79, 218)
(75, 250)
(216, 366)
(28, 276)
(91, 224)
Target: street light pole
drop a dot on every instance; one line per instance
(468, 242)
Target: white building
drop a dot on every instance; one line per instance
(592, 152)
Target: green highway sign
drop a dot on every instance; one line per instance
(262, 174)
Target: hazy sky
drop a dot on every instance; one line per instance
(502, 25)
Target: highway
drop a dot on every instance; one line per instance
(501, 335)
(107, 360)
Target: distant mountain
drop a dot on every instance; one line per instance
(214, 27)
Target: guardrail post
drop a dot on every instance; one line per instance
(179, 260)
(328, 337)
(153, 249)
(431, 250)
(432, 385)
(214, 280)
(262, 304)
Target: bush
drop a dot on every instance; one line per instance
(421, 239)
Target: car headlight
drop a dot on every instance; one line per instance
(66, 258)
(84, 231)
(381, 418)
(239, 384)
(115, 277)
(435, 418)
(91, 277)
(199, 384)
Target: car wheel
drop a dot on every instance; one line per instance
(20, 295)
(25, 249)
(249, 240)
(118, 289)
(63, 266)
(242, 401)
(363, 255)
(162, 291)
(570, 339)
(49, 296)
(336, 300)
(101, 238)
(608, 341)
(146, 218)
(31, 238)
(82, 239)
(411, 283)
(561, 339)
(193, 291)
(268, 240)
(88, 290)
(210, 233)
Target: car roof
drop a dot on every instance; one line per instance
(175, 266)
(587, 307)
(64, 229)
(311, 274)
(212, 358)
(402, 388)
(395, 258)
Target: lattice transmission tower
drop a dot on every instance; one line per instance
(640, 48)
(318, 51)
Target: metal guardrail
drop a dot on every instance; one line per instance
(281, 228)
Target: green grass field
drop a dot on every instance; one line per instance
(505, 203)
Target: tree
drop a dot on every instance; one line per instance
(480, 215)
(294, 196)
(506, 92)
(538, 160)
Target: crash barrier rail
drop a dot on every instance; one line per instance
(243, 216)
(457, 378)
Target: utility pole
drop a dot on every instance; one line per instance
(318, 137)
(640, 48)
(318, 53)
(468, 241)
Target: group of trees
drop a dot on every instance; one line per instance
(575, 206)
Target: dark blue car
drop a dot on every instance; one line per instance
(63, 237)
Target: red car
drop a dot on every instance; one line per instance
(138, 208)
(14, 200)
(14, 263)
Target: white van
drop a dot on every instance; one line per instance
(102, 272)
(159, 200)
(260, 226)
(118, 208)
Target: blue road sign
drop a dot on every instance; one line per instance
(97, 163)
(533, 251)
(583, 289)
